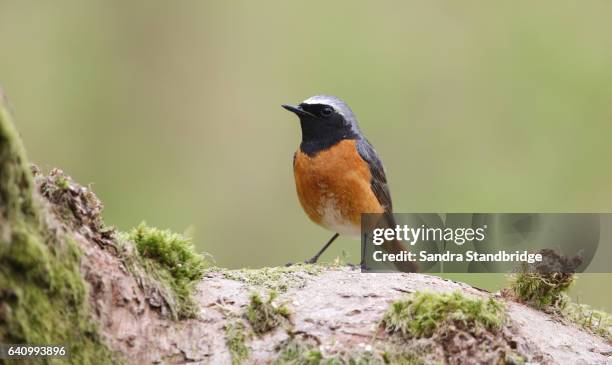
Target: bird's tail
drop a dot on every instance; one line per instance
(396, 247)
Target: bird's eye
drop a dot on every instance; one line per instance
(327, 111)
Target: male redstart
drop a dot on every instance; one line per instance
(338, 174)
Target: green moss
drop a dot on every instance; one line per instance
(16, 184)
(298, 352)
(171, 260)
(544, 284)
(585, 316)
(543, 291)
(279, 279)
(62, 182)
(405, 358)
(301, 350)
(265, 316)
(422, 313)
(235, 339)
(548, 291)
(43, 298)
(171, 250)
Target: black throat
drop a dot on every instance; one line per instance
(318, 137)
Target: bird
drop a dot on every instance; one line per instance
(338, 173)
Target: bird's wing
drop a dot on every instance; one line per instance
(379, 180)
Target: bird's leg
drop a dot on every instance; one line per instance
(316, 257)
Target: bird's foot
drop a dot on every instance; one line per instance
(312, 260)
(359, 266)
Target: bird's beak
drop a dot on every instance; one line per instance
(297, 110)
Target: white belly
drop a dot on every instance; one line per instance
(331, 218)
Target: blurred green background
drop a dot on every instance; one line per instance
(171, 110)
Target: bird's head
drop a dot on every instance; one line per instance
(325, 118)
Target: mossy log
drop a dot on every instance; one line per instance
(66, 278)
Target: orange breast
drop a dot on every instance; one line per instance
(334, 187)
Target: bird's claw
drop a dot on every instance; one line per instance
(312, 260)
